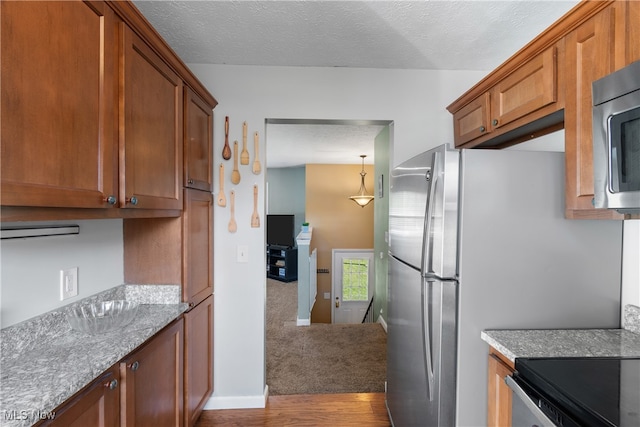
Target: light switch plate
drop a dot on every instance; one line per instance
(68, 283)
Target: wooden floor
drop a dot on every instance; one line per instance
(352, 409)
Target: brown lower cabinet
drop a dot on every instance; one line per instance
(499, 394)
(98, 404)
(198, 359)
(144, 389)
(163, 383)
(152, 381)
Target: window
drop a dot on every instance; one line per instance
(355, 279)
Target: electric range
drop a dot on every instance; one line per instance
(583, 391)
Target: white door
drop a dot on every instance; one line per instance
(352, 284)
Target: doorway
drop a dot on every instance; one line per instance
(301, 150)
(282, 169)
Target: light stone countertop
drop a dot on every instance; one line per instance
(44, 361)
(570, 342)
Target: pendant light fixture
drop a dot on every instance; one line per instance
(362, 198)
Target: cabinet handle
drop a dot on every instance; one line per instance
(482, 128)
(133, 200)
(190, 181)
(111, 385)
(134, 366)
(495, 122)
(111, 200)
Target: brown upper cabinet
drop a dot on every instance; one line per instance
(59, 104)
(198, 142)
(527, 94)
(547, 86)
(150, 129)
(92, 114)
(526, 90)
(590, 55)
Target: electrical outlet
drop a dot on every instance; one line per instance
(327, 295)
(68, 283)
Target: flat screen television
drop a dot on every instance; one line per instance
(280, 230)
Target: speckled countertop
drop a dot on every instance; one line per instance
(570, 342)
(44, 362)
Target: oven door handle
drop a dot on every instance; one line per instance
(533, 408)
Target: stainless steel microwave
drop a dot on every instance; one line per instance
(616, 140)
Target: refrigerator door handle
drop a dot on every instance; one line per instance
(427, 255)
(426, 341)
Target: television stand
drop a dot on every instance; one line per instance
(282, 263)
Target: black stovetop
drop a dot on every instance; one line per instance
(593, 391)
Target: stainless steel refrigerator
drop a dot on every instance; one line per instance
(478, 240)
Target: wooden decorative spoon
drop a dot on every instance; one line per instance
(256, 161)
(233, 227)
(226, 150)
(235, 173)
(244, 156)
(222, 200)
(255, 218)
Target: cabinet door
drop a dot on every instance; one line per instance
(151, 129)
(198, 246)
(472, 121)
(590, 56)
(526, 90)
(198, 142)
(152, 382)
(96, 405)
(632, 31)
(59, 96)
(499, 394)
(198, 359)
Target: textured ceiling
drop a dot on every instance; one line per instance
(436, 34)
(326, 142)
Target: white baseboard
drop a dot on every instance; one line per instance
(303, 322)
(238, 402)
(382, 322)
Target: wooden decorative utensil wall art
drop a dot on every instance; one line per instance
(222, 200)
(256, 162)
(255, 218)
(235, 174)
(226, 150)
(233, 227)
(244, 156)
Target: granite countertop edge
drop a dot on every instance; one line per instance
(570, 342)
(44, 362)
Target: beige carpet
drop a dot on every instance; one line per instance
(321, 358)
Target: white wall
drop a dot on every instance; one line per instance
(414, 100)
(31, 267)
(631, 229)
(631, 263)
